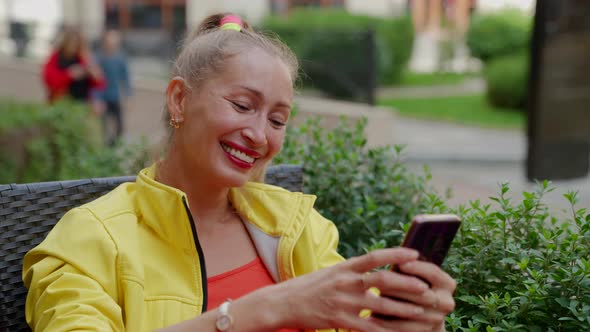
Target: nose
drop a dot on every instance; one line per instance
(254, 131)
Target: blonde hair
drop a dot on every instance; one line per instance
(68, 35)
(207, 47)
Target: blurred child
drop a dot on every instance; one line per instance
(116, 73)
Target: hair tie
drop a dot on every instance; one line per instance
(231, 22)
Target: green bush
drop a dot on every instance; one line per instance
(369, 193)
(59, 142)
(518, 267)
(328, 43)
(497, 34)
(507, 81)
(344, 77)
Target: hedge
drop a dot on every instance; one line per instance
(507, 81)
(329, 44)
(59, 142)
(501, 33)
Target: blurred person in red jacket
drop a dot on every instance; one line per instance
(70, 70)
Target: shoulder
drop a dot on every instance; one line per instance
(102, 223)
(51, 59)
(259, 186)
(274, 205)
(103, 213)
(122, 56)
(117, 202)
(272, 197)
(96, 227)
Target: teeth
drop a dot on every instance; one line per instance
(238, 154)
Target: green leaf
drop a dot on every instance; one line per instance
(470, 299)
(564, 302)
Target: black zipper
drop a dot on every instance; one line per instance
(201, 256)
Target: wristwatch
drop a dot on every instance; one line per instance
(224, 321)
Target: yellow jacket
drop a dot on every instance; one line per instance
(131, 260)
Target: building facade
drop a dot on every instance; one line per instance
(156, 26)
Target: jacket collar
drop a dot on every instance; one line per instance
(275, 219)
(273, 210)
(162, 209)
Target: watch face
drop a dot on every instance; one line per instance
(223, 323)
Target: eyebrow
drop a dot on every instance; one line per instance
(259, 95)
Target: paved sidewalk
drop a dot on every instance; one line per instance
(472, 162)
(469, 86)
(432, 141)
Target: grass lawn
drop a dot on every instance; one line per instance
(419, 79)
(469, 110)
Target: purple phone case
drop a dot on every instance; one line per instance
(431, 235)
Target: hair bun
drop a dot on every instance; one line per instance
(217, 21)
(231, 22)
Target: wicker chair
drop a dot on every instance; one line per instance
(29, 211)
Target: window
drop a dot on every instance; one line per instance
(112, 16)
(146, 16)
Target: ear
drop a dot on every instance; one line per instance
(176, 94)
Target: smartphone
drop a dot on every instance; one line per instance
(431, 235)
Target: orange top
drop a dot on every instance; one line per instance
(238, 282)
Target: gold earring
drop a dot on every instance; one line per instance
(174, 123)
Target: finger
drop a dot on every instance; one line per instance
(389, 282)
(392, 307)
(426, 299)
(404, 325)
(431, 273)
(446, 302)
(381, 257)
(356, 323)
(436, 300)
(431, 316)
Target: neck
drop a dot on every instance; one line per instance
(208, 201)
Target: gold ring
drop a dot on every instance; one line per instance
(364, 281)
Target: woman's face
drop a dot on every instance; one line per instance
(234, 123)
(71, 46)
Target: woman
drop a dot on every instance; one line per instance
(70, 70)
(169, 251)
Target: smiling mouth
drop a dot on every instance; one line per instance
(238, 154)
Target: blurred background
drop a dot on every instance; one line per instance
(479, 91)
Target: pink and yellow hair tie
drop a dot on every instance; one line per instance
(231, 22)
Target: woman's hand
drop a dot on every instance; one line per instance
(442, 288)
(334, 297)
(77, 72)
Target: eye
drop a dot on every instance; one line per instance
(277, 123)
(240, 107)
